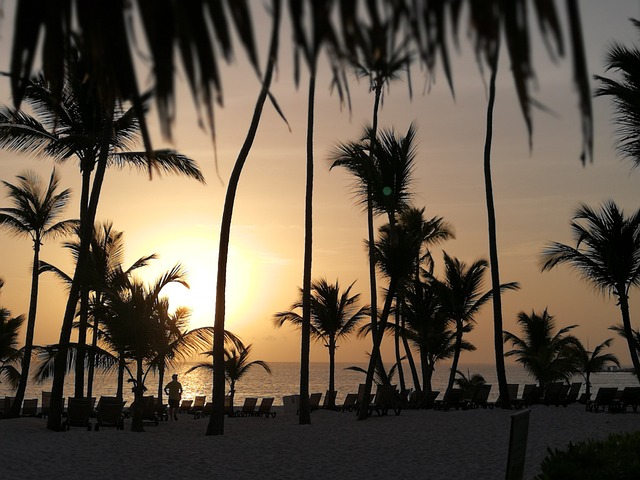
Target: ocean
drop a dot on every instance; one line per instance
(285, 376)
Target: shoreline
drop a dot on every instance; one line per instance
(420, 443)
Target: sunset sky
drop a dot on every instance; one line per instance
(536, 193)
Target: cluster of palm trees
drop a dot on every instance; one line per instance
(551, 356)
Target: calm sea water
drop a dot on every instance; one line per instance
(285, 380)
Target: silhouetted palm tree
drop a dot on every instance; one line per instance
(334, 315)
(606, 255)
(625, 96)
(548, 357)
(216, 420)
(461, 298)
(35, 214)
(467, 383)
(619, 329)
(236, 364)
(9, 353)
(587, 362)
(135, 328)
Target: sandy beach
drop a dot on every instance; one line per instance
(416, 444)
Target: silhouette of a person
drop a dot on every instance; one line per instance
(174, 390)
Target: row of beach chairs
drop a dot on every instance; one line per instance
(615, 400)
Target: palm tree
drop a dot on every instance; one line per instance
(619, 329)
(624, 96)
(35, 214)
(175, 342)
(461, 299)
(135, 329)
(236, 364)
(469, 382)
(383, 177)
(606, 255)
(334, 316)
(216, 420)
(429, 329)
(588, 362)
(9, 353)
(548, 357)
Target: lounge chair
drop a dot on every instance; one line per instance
(329, 402)
(109, 413)
(207, 409)
(248, 407)
(531, 395)
(349, 403)
(452, 399)
(29, 407)
(149, 413)
(314, 401)
(78, 412)
(185, 406)
(360, 399)
(198, 405)
(480, 396)
(514, 401)
(265, 408)
(605, 397)
(630, 397)
(228, 408)
(5, 406)
(387, 398)
(46, 404)
(574, 391)
(162, 410)
(428, 399)
(556, 394)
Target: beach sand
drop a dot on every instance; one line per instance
(434, 445)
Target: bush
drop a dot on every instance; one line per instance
(617, 457)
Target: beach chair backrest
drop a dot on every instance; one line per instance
(249, 405)
(199, 401)
(265, 405)
(110, 410)
(327, 399)
(314, 400)
(30, 407)
(78, 411)
(606, 394)
(574, 391)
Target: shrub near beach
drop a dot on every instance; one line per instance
(616, 457)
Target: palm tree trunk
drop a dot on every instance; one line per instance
(375, 351)
(86, 225)
(216, 421)
(456, 358)
(92, 359)
(121, 366)
(493, 240)
(396, 342)
(628, 332)
(138, 394)
(28, 341)
(305, 412)
(332, 371)
(160, 382)
(82, 340)
(412, 364)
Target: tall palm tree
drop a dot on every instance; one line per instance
(588, 362)
(624, 96)
(619, 329)
(334, 316)
(9, 353)
(35, 214)
(99, 132)
(216, 420)
(606, 255)
(547, 356)
(236, 364)
(382, 183)
(461, 299)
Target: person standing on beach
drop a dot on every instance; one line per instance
(174, 390)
